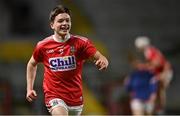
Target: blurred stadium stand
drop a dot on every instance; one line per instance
(112, 25)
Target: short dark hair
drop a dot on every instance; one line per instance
(58, 10)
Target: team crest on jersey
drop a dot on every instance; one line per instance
(72, 49)
(65, 63)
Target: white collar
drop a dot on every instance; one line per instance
(67, 37)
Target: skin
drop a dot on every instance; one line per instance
(61, 26)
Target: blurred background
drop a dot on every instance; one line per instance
(112, 25)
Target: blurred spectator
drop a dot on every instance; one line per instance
(155, 62)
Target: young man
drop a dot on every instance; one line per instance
(155, 62)
(63, 55)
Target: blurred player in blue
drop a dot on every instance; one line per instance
(142, 87)
(155, 61)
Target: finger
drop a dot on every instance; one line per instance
(29, 99)
(34, 93)
(103, 67)
(98, 62)
(32, 96)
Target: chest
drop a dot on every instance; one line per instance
(61, 57)
(60, 50)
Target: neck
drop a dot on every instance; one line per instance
(59, 38)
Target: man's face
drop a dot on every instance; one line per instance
(62, 24)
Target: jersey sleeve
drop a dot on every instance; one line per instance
(88, 49)
(150, 54)
(37, 53)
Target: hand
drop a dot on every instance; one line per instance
(31, 95)
(102, 63)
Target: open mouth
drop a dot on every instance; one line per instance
(64, 28)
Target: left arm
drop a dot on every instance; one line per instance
(100, 61)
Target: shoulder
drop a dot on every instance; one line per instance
(80, 38)
(150, 50)
(45, 41)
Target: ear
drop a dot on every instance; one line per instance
(51, 25)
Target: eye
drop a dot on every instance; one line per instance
(60, 20)
(67, 20)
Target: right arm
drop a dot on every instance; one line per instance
(30, 76)
(100, 61)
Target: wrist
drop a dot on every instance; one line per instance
(29, 88)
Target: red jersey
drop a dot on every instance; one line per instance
(63, 63)
(153, 54)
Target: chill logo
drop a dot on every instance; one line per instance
(65, 63)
